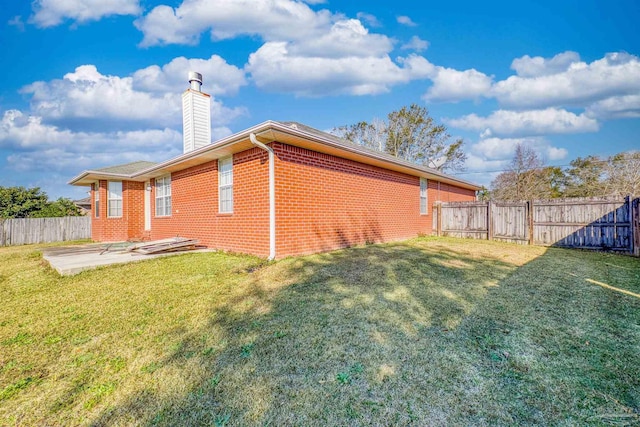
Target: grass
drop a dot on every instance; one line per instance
(424, 332)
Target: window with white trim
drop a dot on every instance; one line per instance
(225, 185)
(423, 196)
(96, 199)
(114, 199)
(163, 196)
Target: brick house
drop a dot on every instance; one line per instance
(274, 190)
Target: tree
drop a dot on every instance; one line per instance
(527, 178)
(410, 134)
(623, 174)
(60, 207)
(371, 135)
(585, 177)
(20, 202)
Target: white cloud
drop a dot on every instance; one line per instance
(270, 19)
(49, 13)
(500, 149)
(273, 67)
(560, 81)
(532, 122)
(580, 84)
(416, 43)
(305, 52)
(89, 98)
(616, 107)
(345, 38)
(369, 19)
(479, 163)
(527, 66)
(37, 146)
(16, 21)
(219, 77)
(450, 85)
(405, 20)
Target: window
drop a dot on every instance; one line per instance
(96, 199)
(225, 183)
(423, 196)
(114, 199)
(163, 196)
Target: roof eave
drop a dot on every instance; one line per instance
(90, 176)
(271, 131)
(406, 166)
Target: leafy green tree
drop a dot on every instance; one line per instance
(410, 134)
(20, 202)
(585, 177)
(58, 208)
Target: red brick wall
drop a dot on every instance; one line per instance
(195, 206)
(325, 202)
(322, 203)
(130, 225)
(448, 193)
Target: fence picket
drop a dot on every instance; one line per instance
(578, 223)
(21, 231)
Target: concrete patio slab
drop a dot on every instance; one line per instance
(70, 260)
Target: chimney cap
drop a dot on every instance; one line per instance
(195, 76)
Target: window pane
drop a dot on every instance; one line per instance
(225, 184)
(115, 189)
(226, 199)
(159, 207)
(163, 196)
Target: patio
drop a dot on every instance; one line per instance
(70, 260)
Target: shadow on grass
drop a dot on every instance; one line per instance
(409, 333)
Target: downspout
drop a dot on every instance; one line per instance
(272, 195)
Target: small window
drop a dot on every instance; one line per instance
(96, 199)
(225, 182)
(423, 196)
(163, 196)
(114, 199)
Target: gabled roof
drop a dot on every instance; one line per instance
(127, 168)
(292, 133)
(85, 201)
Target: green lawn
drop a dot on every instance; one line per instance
(425, 332)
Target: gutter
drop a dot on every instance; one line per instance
(272, 195)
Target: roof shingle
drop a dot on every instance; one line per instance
(127, 168)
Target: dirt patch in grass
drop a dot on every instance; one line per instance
(429, 332)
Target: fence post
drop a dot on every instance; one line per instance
(634, 204)
(489, 220)
(529, 213)
(2, 232)
(439, 219)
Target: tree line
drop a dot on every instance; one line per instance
(528, 178)
(21, 202)
(411, 134)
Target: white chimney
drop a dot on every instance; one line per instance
(196, 115)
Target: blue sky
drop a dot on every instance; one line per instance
(92, 83)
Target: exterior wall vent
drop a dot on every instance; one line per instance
(196, 115)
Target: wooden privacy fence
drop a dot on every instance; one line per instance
(604, 224)
(22, 231)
